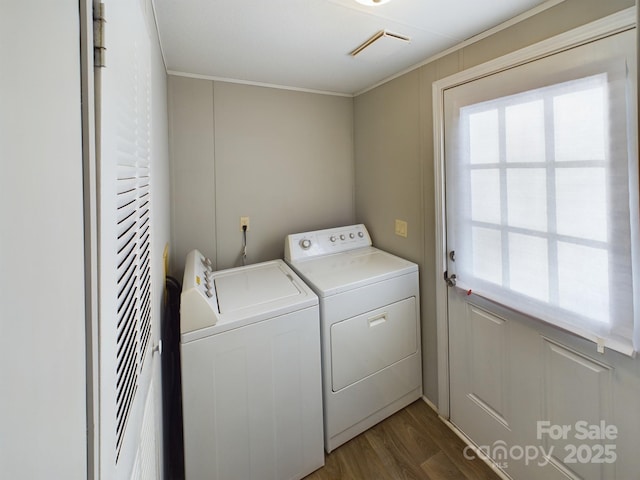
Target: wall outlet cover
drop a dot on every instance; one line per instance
(401, 228)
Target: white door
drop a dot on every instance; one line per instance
(536, 216)
(128, 432)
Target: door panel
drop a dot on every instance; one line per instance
(548, 380)
(127, 316)
(519, 382)
(480, 377)
(577, 394)
(488, 362)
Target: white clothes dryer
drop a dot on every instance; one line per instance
(369, 324)
(251, 372)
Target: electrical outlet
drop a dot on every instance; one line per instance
(401, 228)
(244, 221)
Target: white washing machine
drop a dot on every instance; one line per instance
(369, 324)
(251, 372)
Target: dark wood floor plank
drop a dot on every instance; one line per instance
(440, 467)
(417, 441)
(413, 444)
(396, 456)
(450, 444)
(361, 460)
(354, 460)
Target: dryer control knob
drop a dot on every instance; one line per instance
(332, 238)
(351, 235)
(360, 234)
(305, 243)
(342, 237)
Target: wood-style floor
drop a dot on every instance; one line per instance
(412, 444)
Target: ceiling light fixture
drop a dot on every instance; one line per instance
(372, 3)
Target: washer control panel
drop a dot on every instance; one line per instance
(198, 300)
(298, 246)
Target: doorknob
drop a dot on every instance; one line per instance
(451, 280)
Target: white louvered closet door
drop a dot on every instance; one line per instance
(127, 430)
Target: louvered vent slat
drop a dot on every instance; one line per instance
(127, 267)
(127, 253)
(127, 181)
(127, 293)
(127, 327)
(133, 230)
(129, 359)
(127, 382)
(126, 243)
(126, 199)
(124, 346)
(126, 226)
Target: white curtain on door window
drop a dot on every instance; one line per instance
(542, 190)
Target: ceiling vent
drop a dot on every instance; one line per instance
(381, 45)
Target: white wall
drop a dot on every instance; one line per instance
(42, 342)
(283, 158)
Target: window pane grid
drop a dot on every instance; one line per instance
(526, 195)
(541, 189)
(506, 230)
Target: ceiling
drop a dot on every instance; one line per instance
(305, 44)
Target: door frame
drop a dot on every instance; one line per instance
(603, 27)
(90, 181)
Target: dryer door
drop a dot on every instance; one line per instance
(367, 343)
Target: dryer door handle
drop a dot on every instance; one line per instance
(377, 319)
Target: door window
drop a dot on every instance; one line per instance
(542, 192)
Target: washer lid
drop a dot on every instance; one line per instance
(252, 294)
(331, 274)
(251, 287)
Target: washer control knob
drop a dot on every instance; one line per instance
(206, 261)
(209, 293)
(332, 238)
(351, 235)
(305, 243)
(360, 234)
(342, 237)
